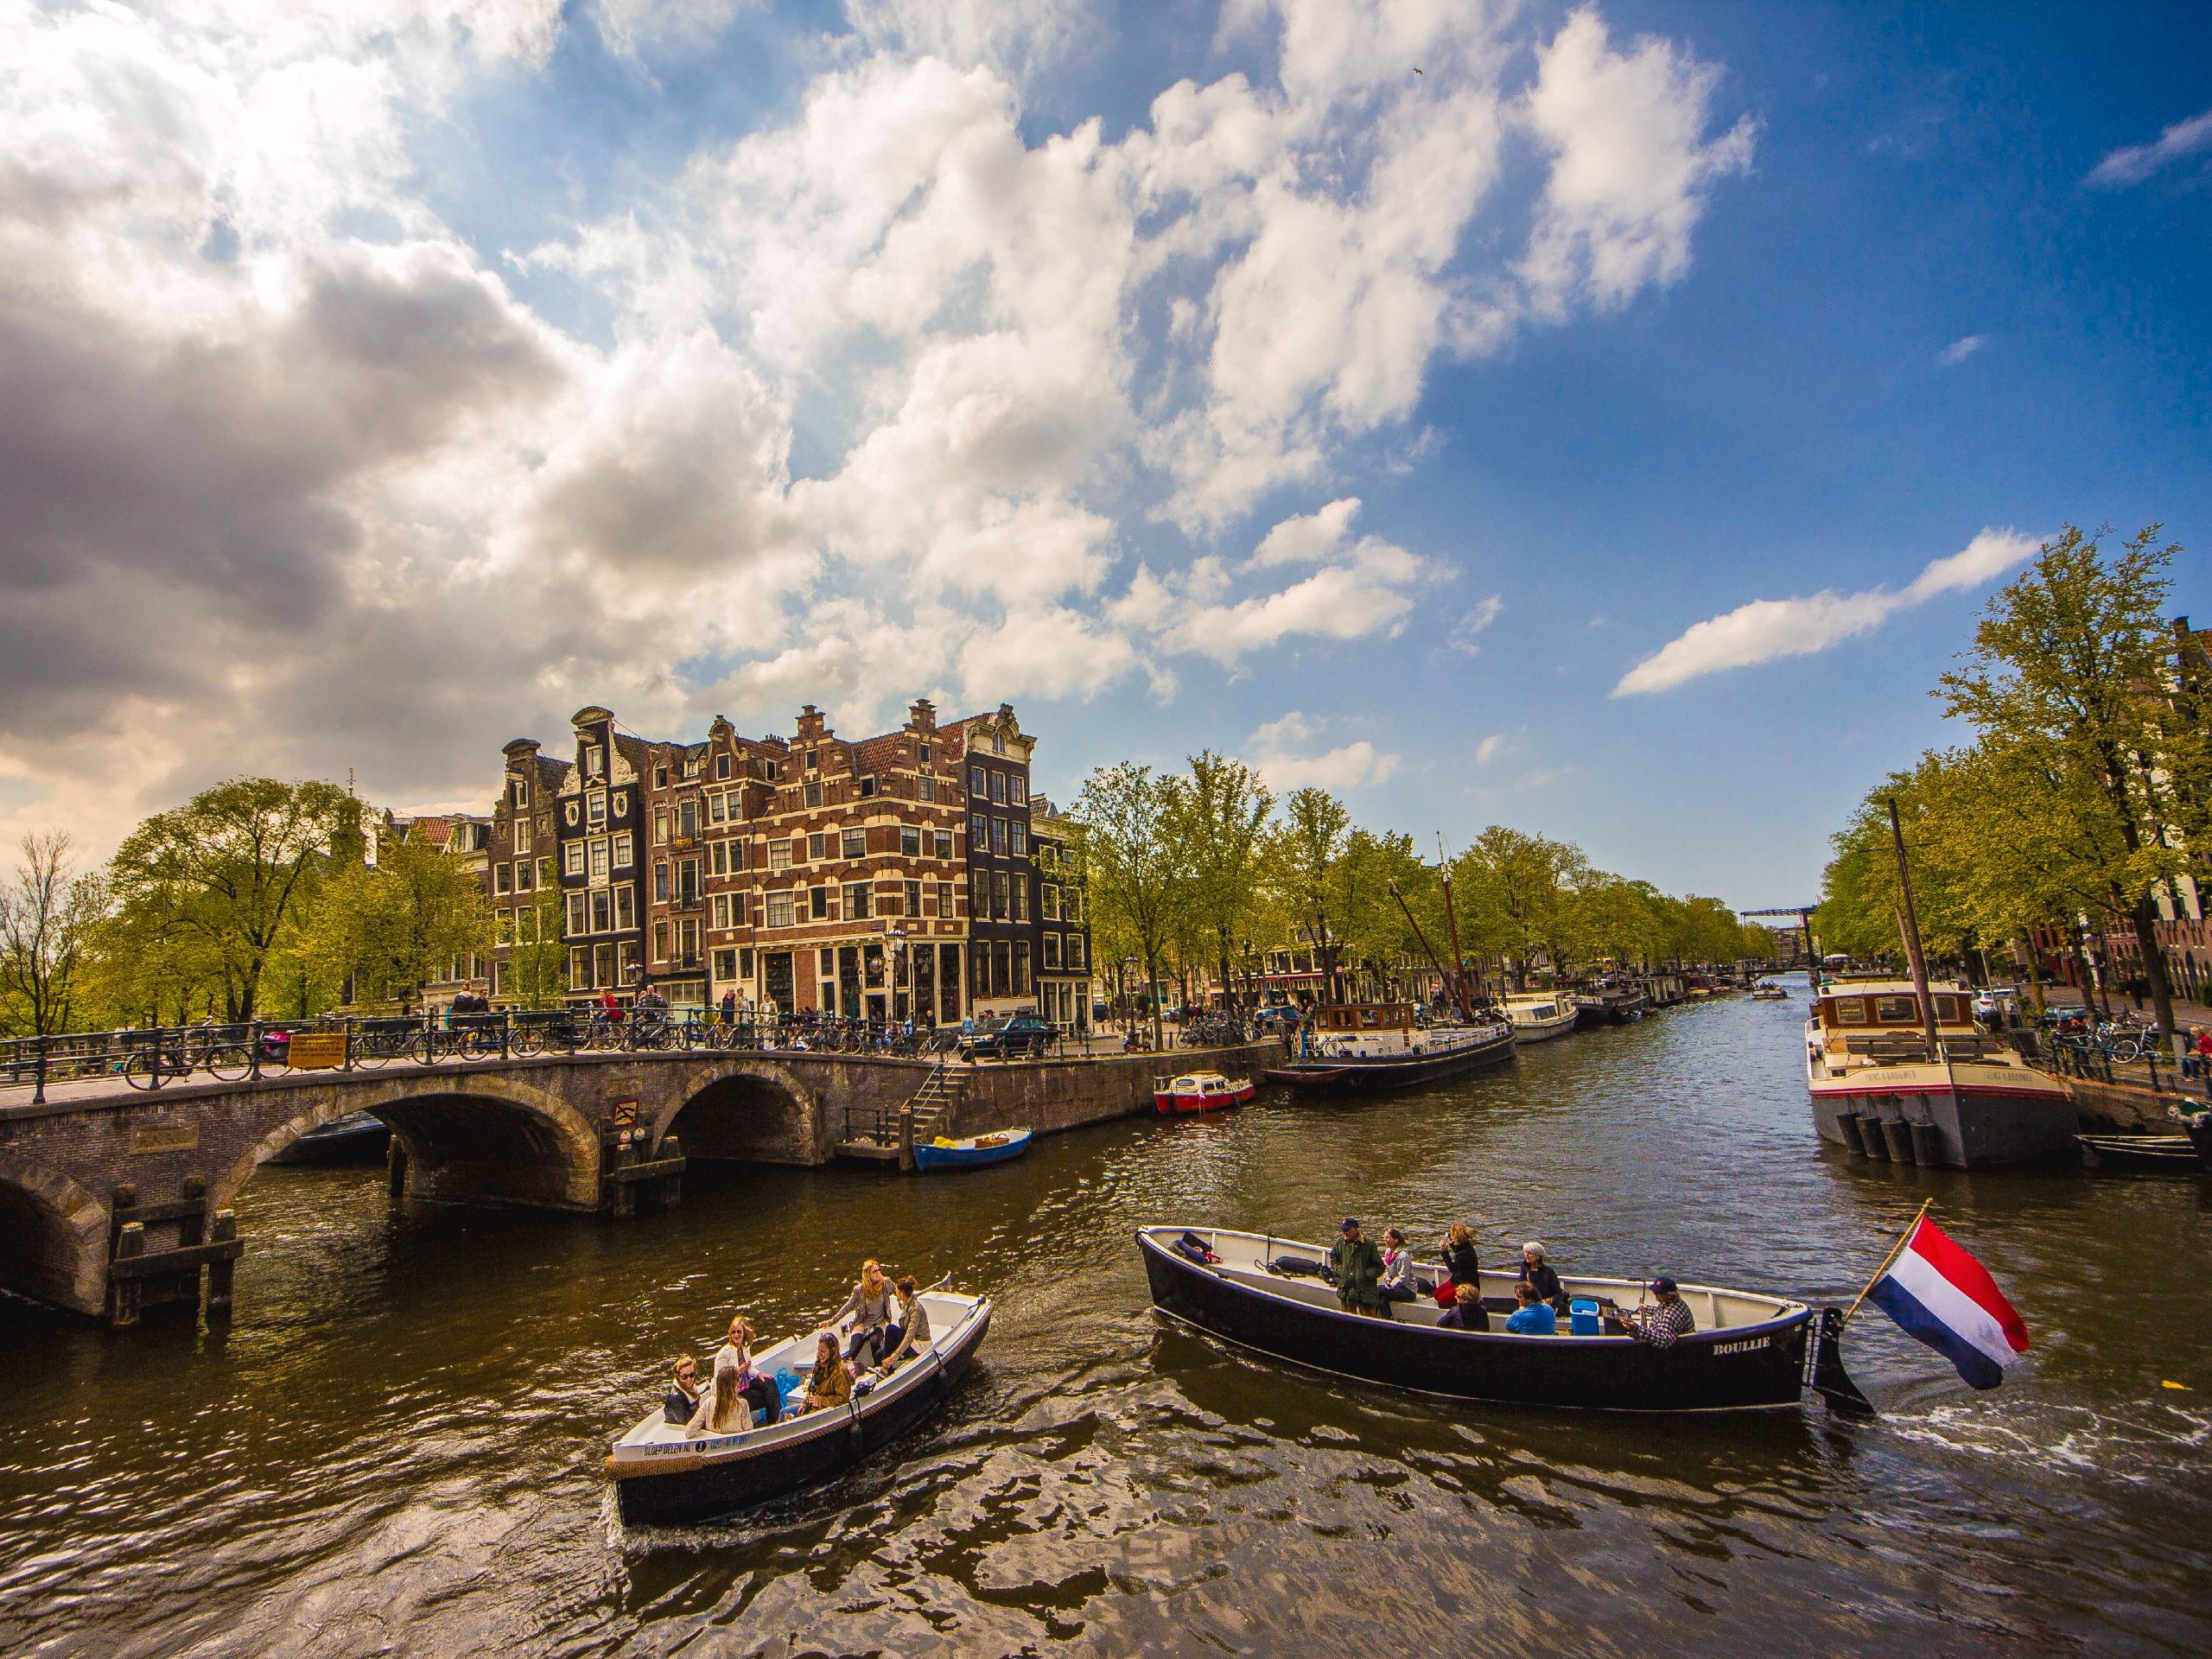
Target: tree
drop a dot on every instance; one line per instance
(1126, 815)
(1220, 825)
(537, 961)
(1307, 854)
(387, 929)
(224, 871)
(2068, 679)
(47, 914)
(1522, 881)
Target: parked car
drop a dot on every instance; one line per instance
(1019, 1036)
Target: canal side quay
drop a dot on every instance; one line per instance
(115, 1200)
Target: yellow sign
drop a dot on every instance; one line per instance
(625, 1114)
(316, 1050)
(167, 1137)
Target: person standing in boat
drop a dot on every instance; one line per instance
(1540, 1277)
(681, 1403)
(1397, 1284)
(1458, 1250)
(1358, 1265)
(869, 1305)
(1660, 1327)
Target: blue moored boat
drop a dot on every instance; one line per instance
(995, 1148)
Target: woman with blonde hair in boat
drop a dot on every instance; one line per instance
(869, 1303)
(737, 1353)
(724, 1408)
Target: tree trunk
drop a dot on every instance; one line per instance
(2154, 965)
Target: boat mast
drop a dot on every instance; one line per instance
(1423, 938)
(1908, 926)
(1451, 922)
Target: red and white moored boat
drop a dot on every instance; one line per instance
(1200, 1091)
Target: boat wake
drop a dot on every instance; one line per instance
(2135, 1448)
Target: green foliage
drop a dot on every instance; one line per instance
(382, 932)
(1127, 816)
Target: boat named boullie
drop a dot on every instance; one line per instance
(1749, 1352)
(1877, 1090)
(1359, 1048)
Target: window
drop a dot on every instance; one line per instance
(622, 849)
(1021, 898)
(579, 968)
(687, 820)
(625, 907)
(1017, 790)
(686, 880)
(692, 763)
(817, 848)
(594, 760)
(720, 908)
(526, 926)
(814, 791)
(944, 842)
(1002, 894)
(660, 882)
(779, 909)
(817, 904)
(1052, 958)
(602, 911)
(813, 760)
(521, 834)
(1075, 949)
(571, 813)
(576, 914)
(1074, 906)
(745, 962)
(598, 858)
(770, 771)
(1021, 986)
(779, 855)
(718, 858)
(976, 782)
(856, 900)
(868, 785)
(1020, 837)
(595, 808)
(621, 804)
(855, 845)
(660, 781)
(738, 906)
(725, 965)
(660, 826)
(926, 753)
(944, 898)
(909, 843)
(660, 941)
(545, 872)
(572, 858)
(1048, 902)
(998, 789)
(721, 767)
(998, 744)
(929, 789)
(979, 835)
(718, 808)
(998, 837)
(914, 891)
(1850, 1011)
(1896, 1011)
(503, 879)
(518, 790)
(687, 941)
(626, 957)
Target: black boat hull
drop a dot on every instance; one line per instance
(2140, 1153)
(358, 1139)
(1759, 1367)
(724, 1486)
(1387, 1076)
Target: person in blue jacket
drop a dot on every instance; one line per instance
(1532, 1317)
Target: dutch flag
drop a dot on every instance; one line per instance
(1943, 1296)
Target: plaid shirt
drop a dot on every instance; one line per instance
(1664, 1324)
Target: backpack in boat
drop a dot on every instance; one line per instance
(1303, 1266)
(1191, 1248)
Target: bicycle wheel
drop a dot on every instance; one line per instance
(528, 1040)
(228, 1061)
(143, 1069)
(423, 1049)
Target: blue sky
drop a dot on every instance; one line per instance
(462, 364)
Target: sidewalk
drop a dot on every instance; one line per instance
(2185, 1013)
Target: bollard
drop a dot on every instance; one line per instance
(1898, 1140)
(1926, 1144)
(672, 1187)
(906, 1138)
(220, 1274)
(1847, 1124)
(38, 1075)
(131, 1242)
(396, 1170)
(1870, 1133)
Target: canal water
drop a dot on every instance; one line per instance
(397, 1447)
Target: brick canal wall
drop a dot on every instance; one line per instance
(2123, 1107)
(1054, 1095)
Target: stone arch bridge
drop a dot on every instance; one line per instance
(113, 1198)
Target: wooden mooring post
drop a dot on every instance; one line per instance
(141, 1276)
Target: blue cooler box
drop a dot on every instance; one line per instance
(1582, 1316)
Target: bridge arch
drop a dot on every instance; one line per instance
(754, 1112)
(53, 1238)
(468, 1138)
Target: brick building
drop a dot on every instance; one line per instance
(801, 872)
(1063, 929)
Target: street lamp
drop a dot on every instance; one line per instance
(902, 993)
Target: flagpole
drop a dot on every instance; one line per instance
(1895, 1250)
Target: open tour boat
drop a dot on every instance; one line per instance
(662, 1474)
(1877, 1090)
(1370, 1047)
(1538, 1016)
(1749, 1351)
(1200, 1091)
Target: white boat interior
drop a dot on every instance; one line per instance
(1195, 1084)
(1245, 1258)
(950, 1313)
(1856, 1024)
(1537, 1014)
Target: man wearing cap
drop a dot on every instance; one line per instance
(1659, 1326)
(1357, 1264)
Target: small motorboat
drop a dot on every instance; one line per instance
(2141, 1152)
(1767, 991)
(357, 1138)
(977, 1149)
(662, 1475)
(1200, 1091)
(1538, 1016)
(1265, 1292)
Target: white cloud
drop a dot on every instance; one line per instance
(2137, 162)
(1361, 587)
(1464, 631)
(1489, 748)
(1959, 350)
(1767, 629)
(1273, 748)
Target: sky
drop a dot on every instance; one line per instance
(1607, 420)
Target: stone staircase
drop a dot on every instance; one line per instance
(881, 1136)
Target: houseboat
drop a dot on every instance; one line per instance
(1974, 1103)
(1611, 1002)
(1371, 1047)
(1538, 1016)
